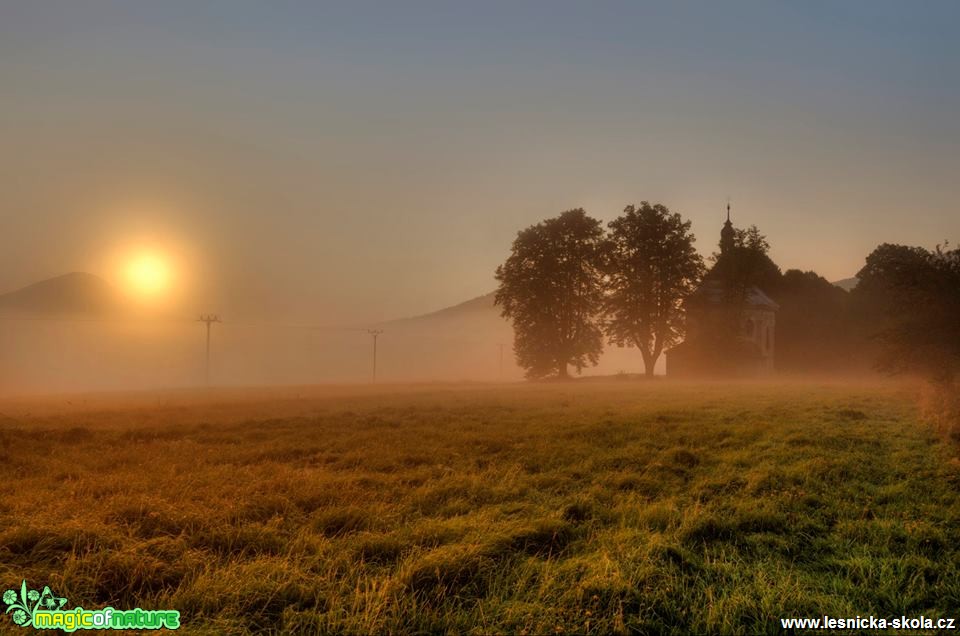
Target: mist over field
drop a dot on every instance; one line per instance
(64, 353)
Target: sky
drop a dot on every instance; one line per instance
(360, 161)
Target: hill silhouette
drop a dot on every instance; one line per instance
(479, 308)
(73, 294)
(847, 283)
(462, 342)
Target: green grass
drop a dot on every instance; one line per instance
(589, 507)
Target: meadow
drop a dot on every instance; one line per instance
(583, 507)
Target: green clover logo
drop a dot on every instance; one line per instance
(26, 602)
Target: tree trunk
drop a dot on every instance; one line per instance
(562, 372)
(649, 361)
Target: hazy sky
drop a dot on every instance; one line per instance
(354, 161)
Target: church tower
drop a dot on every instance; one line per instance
(726, 234)
(747, 340)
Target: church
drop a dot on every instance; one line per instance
(730, 332)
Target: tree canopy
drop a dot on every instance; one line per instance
(744, 263)
(653, 267)
(551, 288)
(918, 293)
(817, 327)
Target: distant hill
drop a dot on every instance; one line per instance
(481, 306)
(463, 342)
(847, 283)
(71, 294)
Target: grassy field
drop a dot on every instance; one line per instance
(588, 507)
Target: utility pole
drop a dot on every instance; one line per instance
(374, 333)
(208, 319)
(501, 346)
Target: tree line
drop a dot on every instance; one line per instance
(570, 284)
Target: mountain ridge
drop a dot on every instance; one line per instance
(480, 303)
(485, 302)
(74, 293)
(847, 284)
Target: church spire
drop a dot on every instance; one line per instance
(727, 233)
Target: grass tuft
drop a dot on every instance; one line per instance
(340, 521)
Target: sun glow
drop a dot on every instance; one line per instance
(148, 275)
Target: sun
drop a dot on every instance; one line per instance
(148, 275)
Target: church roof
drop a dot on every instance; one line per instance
(756, 297)
(712, 291)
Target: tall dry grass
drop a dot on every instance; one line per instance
(574, 508)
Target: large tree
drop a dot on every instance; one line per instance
(653, 266)
(917, 293)
(817, 329)
(551, 288)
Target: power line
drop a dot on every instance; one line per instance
(95, 321)
(282, 325)
(170, 321)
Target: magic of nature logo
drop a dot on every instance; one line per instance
(44, 610)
